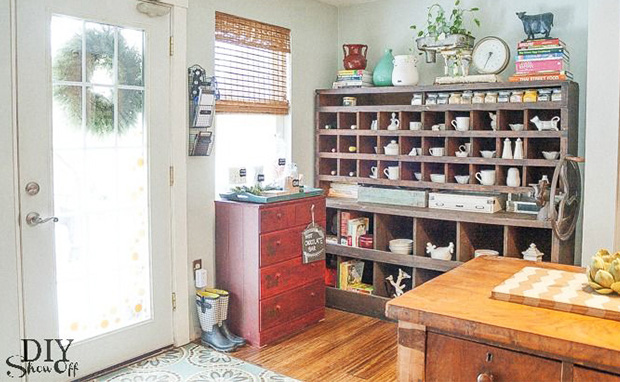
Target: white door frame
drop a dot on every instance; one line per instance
(181, 275)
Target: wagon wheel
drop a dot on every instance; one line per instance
(566, 185)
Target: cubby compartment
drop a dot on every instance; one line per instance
(386, 140)
(409, 116)
(346, 216)
(543, 115)
(518, 239)
(473, 236)
(510, 117)
(331, 221)
(367, 144)
(437, 232)
(385, 119)
(429, 168)
(430, 118)
(346, 120)
(328, 166)
(366, 169)
(328, 144)
(534, 174)
(481, 120)
(501, 175)
(453, 115)
(383, 287)
(383, 165)
(486, 144)
(367, 272)
(433, 142)
(455, 143)
(366, 120)
(423, 275)
(409, 169)
(409, 143)
(346, 143)
(536, 146)
(457, 170)
(390, 227)
(478, 168)
(328, 120)
(348, 167)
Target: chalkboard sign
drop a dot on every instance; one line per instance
(313, 243)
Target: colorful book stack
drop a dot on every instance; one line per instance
(545, 59)
(353, 79)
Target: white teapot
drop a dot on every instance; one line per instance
(405, 71)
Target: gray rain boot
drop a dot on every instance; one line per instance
(208, 307)
(223, 317)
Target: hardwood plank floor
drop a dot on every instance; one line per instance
(344, 347)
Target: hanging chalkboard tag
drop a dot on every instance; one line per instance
(313, 242)
(281, 161)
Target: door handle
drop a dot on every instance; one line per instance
(34, 219)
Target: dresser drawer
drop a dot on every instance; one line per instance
(279, 246)
(454, 359)
(277, 218)
(281, 277)
(581, 374)
(291, 305)
(303, 212)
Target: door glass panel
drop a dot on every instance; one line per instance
(100, 178)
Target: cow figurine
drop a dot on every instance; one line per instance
(536, 24)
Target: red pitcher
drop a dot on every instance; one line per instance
(354, 56)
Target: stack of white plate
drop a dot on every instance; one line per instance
(401, 246)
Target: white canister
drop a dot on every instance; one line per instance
(514, 178)
(405, 71)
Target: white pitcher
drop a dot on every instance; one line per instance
(405, 71)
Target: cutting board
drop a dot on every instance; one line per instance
(557, 290)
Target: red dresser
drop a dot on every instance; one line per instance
(258, 260)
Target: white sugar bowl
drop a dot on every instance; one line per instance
(391, 148)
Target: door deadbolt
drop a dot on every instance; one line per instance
(32, 188)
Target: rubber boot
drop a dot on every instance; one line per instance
(223, 318)
(208, 307)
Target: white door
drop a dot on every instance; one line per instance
(93, 85)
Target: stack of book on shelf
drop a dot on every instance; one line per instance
(352, 226)
(353, 79)
(544, 59)
(343, 190)
(350, 277)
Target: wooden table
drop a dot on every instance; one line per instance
(451, 330)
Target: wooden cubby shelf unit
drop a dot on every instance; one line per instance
(347, 155)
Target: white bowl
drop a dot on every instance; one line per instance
(406, 251)
(487, 153)
(401, 242)
(485, 252)
(461, 179)
(418, 175)
(551, 155)
(461, 154)
(516, 126)
(438, 178)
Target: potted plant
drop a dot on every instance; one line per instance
(445, 30)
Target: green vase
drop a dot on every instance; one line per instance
(382, 75)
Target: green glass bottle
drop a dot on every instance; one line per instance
(382, 75)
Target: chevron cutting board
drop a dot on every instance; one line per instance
(558, 290)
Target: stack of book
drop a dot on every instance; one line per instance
(544, 59)
(350, 277)
(353, 79)
(352, 226)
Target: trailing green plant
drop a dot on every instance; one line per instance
(99, 55)
(439, 22)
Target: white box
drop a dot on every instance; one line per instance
(466, 202)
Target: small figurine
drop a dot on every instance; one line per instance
(536, 24)
(398, 285)
(541, 194)
(532, 253)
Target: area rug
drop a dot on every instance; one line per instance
(193, 363)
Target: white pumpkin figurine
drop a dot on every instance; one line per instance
(405, 71)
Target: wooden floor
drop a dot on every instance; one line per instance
(344, 347)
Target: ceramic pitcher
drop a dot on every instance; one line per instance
(354, 56)
(405, 71)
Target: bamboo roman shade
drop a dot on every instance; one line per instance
(251, 65)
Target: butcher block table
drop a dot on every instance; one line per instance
(449, 329)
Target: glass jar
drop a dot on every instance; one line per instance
(478, 97)
(530, 95)
(466, 97)
(443, 98)
(544, 95)
(516, 96)
(431, 99)
(417, 99)
(556, 95)
(491, 97)
(455, 98)
(504, 96)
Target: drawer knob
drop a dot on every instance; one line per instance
(278, 243)
(313, 294)
(279, 215)
(484, 377)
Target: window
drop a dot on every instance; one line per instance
(251, 65)
(252, 120)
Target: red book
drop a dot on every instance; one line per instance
(540, 42)
(554, 65)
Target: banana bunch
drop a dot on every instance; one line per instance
(604, 272)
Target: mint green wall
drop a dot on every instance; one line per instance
(385, 24)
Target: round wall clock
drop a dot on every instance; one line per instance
(491, 55)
